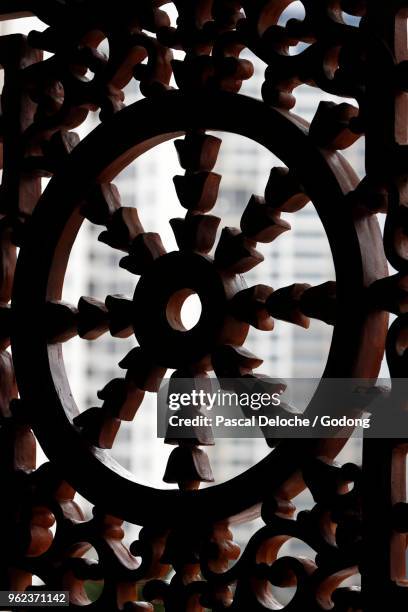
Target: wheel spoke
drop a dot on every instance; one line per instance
(249, 305)
(198, 189)
(122, 229)
(233, 361)
(235, 253)
(284, 192)
(195, 232)
(296, 303)
(144, 249)
(90, 320)
(141, 370)
(261, 222)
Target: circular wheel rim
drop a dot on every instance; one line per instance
(40, 372)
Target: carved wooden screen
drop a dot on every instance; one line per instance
(360, 520)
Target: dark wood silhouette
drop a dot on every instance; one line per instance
(360, 528)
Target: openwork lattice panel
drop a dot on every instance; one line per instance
(189, 73)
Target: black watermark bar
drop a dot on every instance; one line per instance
(204, 408)
(9, 600)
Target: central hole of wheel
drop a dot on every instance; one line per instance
(184, 310)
